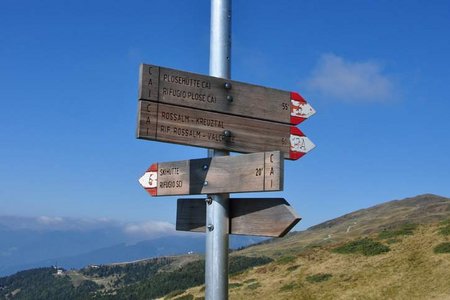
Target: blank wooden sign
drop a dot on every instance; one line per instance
(272, 217)
(256, 172)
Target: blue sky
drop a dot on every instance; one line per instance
(377, 72)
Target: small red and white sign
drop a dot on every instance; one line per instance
(299, 144)
(150, 180)
(300, 109)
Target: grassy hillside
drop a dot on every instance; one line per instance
(410, 269)
(396, 250)
(312, 265)
(423, 209)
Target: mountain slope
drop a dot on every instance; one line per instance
(306, 265)
(410, 270)
(422, 209)
(388, 251)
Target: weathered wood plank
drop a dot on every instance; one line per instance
(257, 172)
(181, 88)
(272, 217)
(187, 126)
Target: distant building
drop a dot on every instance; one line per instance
(59, 271)
(93, 266)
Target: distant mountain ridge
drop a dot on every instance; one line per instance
(119, 253)
(27, 243)
(420, 209)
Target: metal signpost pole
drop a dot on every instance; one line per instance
(217, 211)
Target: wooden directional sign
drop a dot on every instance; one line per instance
(272, 217)
(187, 126)
(255, 172)
(180, 88)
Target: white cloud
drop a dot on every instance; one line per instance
(129, 231)
(344, 80)
(150, 229)
(49, 220)
(66, 223)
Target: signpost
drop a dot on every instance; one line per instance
(187, 126)
(221, 95)
(257, 172)
(272, 217)
(217, 211)
(222, 115)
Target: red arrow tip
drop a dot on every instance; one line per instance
(297, 101)
(296, 131)
(150, 180)
(299, 144)
(153, 192)
(296, 96)
(153, 168)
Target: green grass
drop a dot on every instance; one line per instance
(365, 246)
(445, 227)
(285, 260)
(442, 248)
(445, 230)
(288, 287)
(292, 268)
(405, 229)
(445, 222)
(318, 277)
(250, 280)
(234, 285)
(392, 241)
(253, 286)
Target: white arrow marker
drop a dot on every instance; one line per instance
(300, 109)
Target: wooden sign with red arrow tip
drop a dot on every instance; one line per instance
(180, 88)
(257, 172)
(300, 109)
(204, 111)
(193, 127)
